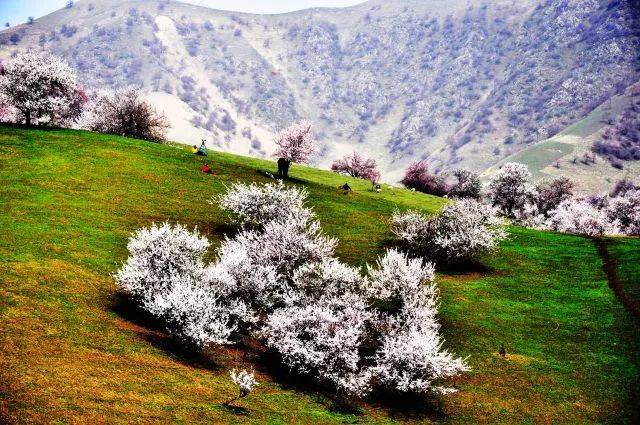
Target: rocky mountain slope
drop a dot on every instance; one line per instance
(458, 83)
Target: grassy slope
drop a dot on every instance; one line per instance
(625, 251)
(67, 351)
(575, 141)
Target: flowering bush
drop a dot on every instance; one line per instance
(410, 357)
(624, 210)
(278, 281)
(467, 185)
(463, 229)
(322, 336)
(418, 177)
(262, 263)
(259, 204)
(42, 88)
(166, 276)
(125, 113)
(245, 381)
(550, 194)
(509, 188)
(581, 217)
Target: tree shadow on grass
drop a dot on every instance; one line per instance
(270, 174)
(399, 406)
(222, 230)
(153, 331)
(252, 353)
(408, 407)
(236, 410)
(465, 268)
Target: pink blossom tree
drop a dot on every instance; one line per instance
(42, 87)
(419, 177)
(295, 144)
(355, 165)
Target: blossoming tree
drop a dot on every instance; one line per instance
(42, 87)
(295, 144)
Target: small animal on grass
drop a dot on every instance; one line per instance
(502, 351)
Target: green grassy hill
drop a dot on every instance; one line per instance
(572, 143)
(70, 352)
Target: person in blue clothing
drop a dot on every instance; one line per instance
(202, 150)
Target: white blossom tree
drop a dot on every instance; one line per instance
(624, 210)
(295, 144)
(42, 87)
(322, 337)
(509, 188)
(165, 274)
(278, 281)
(256, 205)
(463, 229)
(579, 216)
(245, 381)
(410, 357)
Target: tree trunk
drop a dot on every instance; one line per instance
(283, 168)
(27, 118)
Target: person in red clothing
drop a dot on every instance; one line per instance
(206, 169)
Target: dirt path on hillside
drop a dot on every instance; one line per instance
(609, 265)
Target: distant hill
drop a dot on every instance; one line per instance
(458, 83)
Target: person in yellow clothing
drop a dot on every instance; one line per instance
(194, 149)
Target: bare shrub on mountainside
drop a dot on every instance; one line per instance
(126, 113)
(621, 140)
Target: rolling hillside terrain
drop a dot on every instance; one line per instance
(461, 83)
(72, 352)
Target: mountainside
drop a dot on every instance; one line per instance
(458, 83)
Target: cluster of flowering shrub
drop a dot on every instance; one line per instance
(466, 184)
(555, 206)
(463, 230)
(278, 280)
